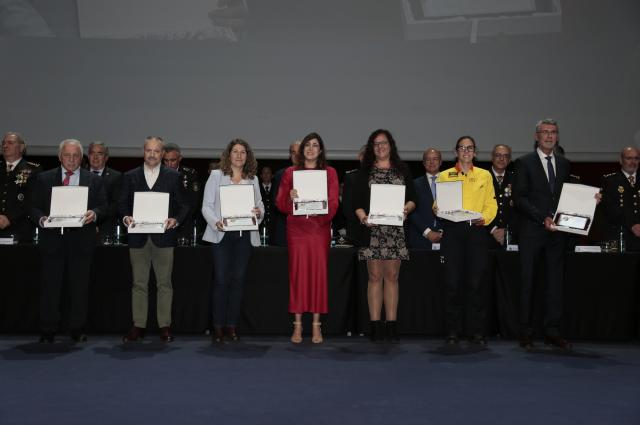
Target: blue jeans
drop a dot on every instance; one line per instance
(230, 262)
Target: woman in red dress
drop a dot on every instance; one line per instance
(308, 238)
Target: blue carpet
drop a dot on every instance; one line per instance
(344, 381)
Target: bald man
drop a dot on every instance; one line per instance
(621, 200)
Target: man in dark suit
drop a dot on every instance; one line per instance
(16, 175)
(503, 182)
(111, 180)
(540, 177)
(67, 250)
(424, 228)
(279, 236)
(621, 200)
(352, 223)
(267, 189)
(156, 248)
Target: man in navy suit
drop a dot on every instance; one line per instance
(424, 228)
(111, 180)
(67, 250)
(540, 177)
(156, 248)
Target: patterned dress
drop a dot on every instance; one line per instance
(387, 242)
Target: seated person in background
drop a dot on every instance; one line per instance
(503, 183)
(621, 200)
(424, 226)
(15, 177)
(111, 180)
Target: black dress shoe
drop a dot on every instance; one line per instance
(557, 342)
(78, 336)
(525, 341)
(165, 334)
(47, 338)
(452, 339)
(134, 334)
(478, 340)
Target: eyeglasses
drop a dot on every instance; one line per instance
(469, 148)
(548, 133)
(380, 143)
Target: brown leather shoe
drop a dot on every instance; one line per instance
(525, 341)
(232, 333)
(134, 334)
(218, 335)
(165, 334)
(557, 342)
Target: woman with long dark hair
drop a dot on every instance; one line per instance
(382, 247)
(308, 239)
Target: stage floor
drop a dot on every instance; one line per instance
(268, 380)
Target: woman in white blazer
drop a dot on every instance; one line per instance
(231, 249)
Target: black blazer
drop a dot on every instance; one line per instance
(14, 202)
(362, 199)
(40, 196)
(506, 215)
(533, 196)
(423, 216)
(112, 180)
(169, 181)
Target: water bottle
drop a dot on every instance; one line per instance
(194, 239)
(621, 241)
(264, 237)
(507, 237)
(35, 236)
(117, 240)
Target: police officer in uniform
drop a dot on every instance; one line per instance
(503, 183)
(621, 200)
(15, 176)
(111, 180)
(189, 176)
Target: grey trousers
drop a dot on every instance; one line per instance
(141, 261)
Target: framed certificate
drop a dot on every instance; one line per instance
(386, 206)
(68, 206)
(237, 202)
(449, 203)
(150, 212)
(576, 208)
(312, 192)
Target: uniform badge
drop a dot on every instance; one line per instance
(453, 174)
(511, 202)
(196, 187)
(507, 190)
(620, 189)
(20, 197)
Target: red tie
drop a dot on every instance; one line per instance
(67, 179)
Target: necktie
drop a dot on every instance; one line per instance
(632, 180)
(552, 175)
(499, 179)
(67, 179)
(96, 172)
(9, 168)
(434, 193)
(433, 187)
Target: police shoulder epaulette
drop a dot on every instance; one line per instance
(33, 164)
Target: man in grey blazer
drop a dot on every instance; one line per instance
(155, 248)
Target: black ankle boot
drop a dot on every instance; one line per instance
(391, 331)
(374, 330)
